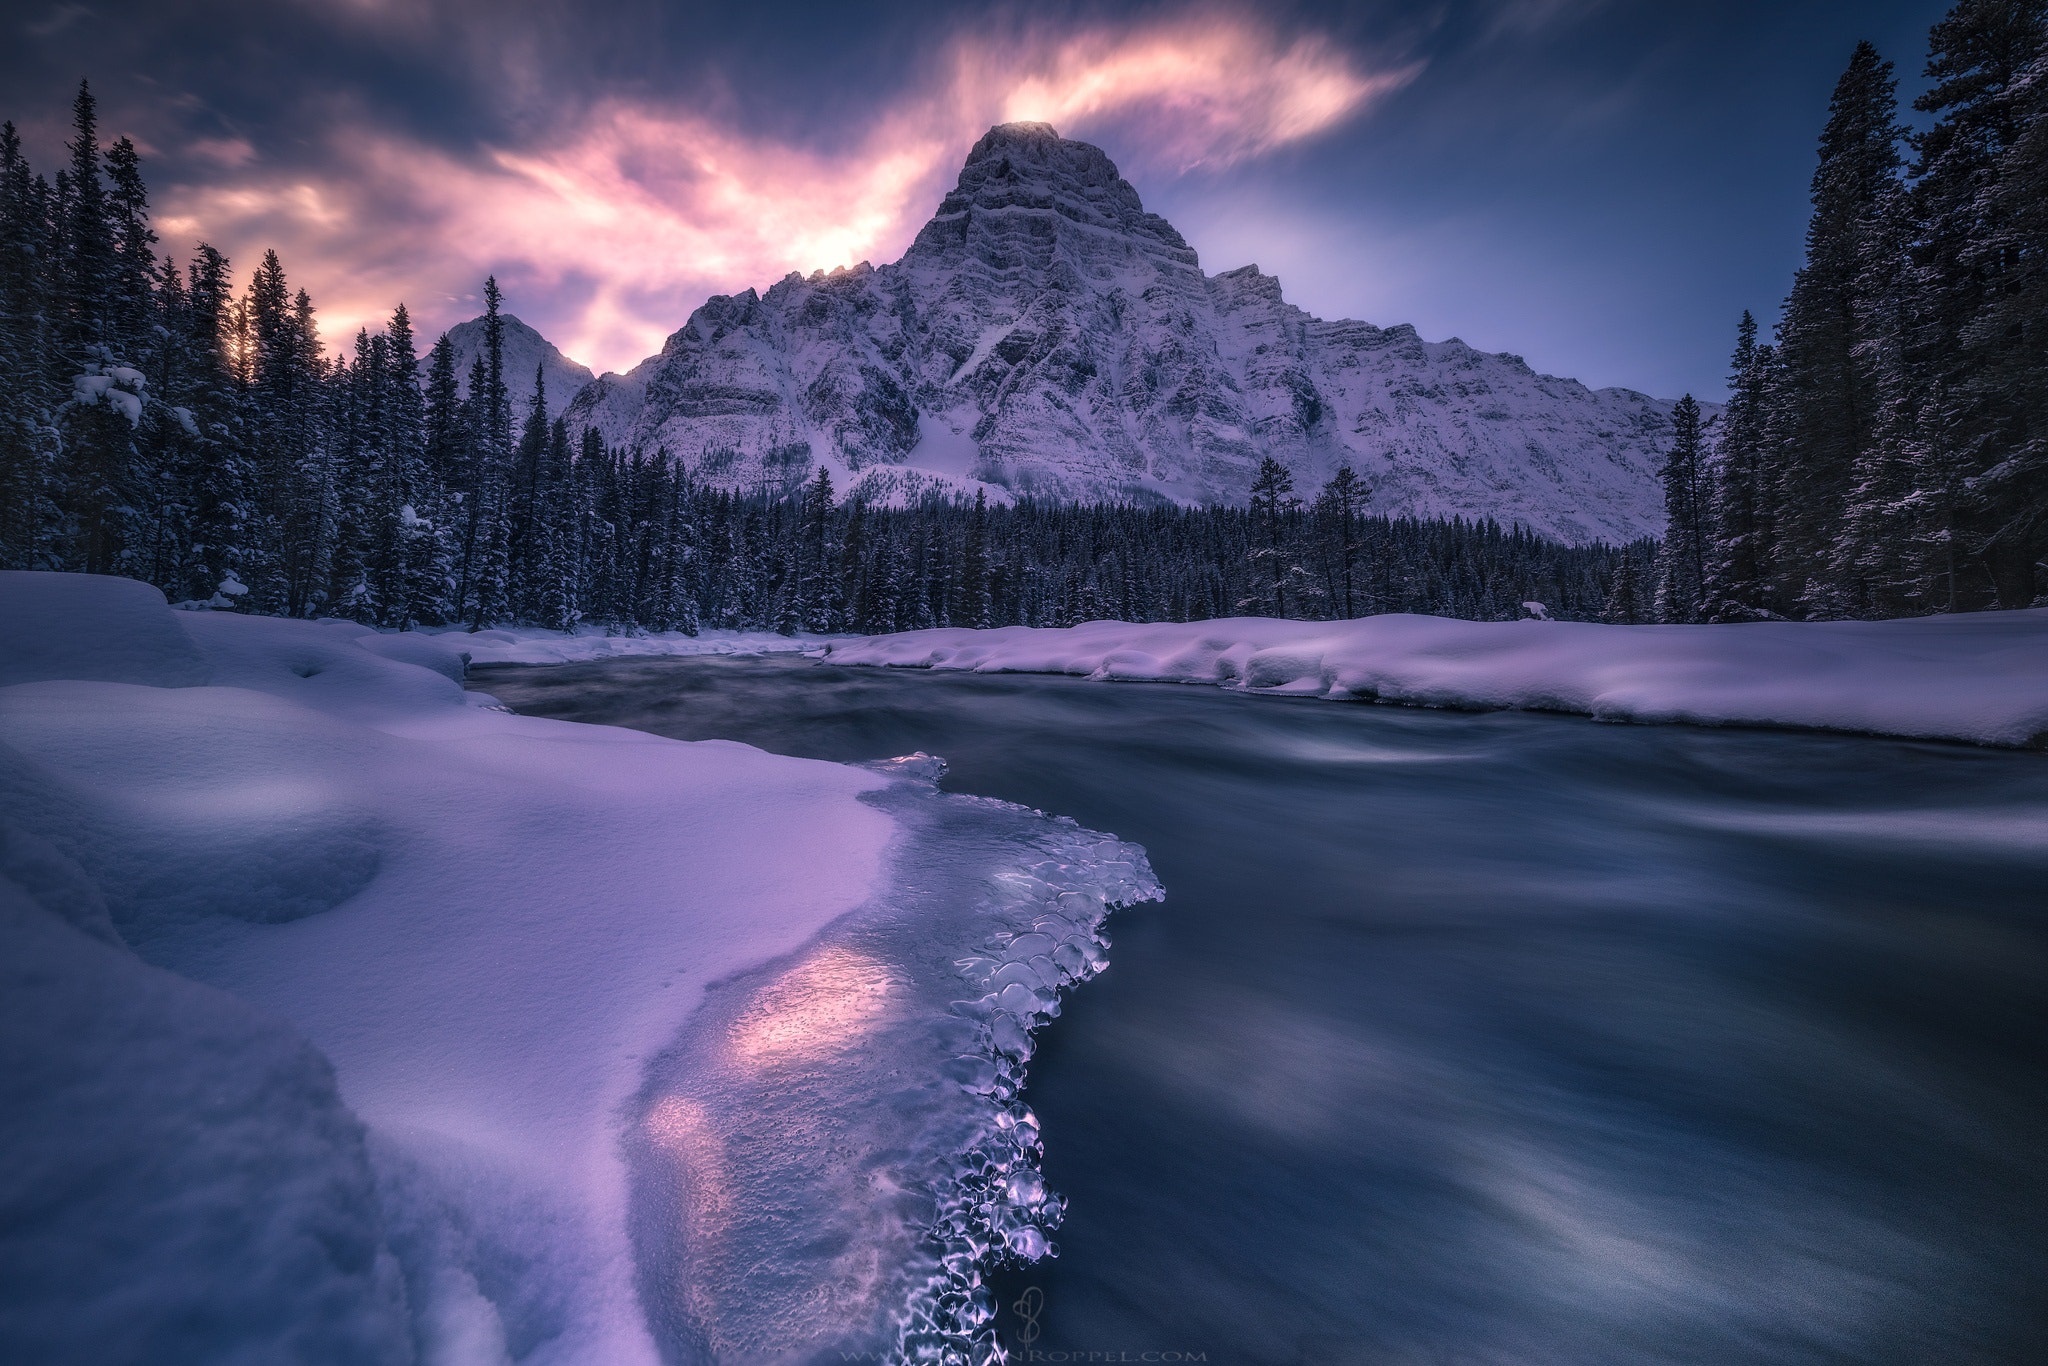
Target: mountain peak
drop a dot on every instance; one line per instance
(1034, 149)
(524, 350)
(1045, 335)
(1004, 137)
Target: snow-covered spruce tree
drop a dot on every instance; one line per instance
(226, 523)
(29, 515)
(286, 384)
(974, 601)
(817, 601)
(856, 571)
(1681, 560)
(558, 594)
(1978, 348)
(1828, 405)
(1275, 569)
(101, 483)
(484, 585)
(414, 565)
(1738, 545)
(527, 530)
(1335, 515)
(1875, 565)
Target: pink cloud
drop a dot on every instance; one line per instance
(607, 236)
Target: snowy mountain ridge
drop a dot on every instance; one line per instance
(1045, 335)
(525, 349)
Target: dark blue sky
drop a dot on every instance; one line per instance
(1598, 185)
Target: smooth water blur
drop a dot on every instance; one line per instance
(1496, 1038)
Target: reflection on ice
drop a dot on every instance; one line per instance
(818, 1007)
(833, 1154)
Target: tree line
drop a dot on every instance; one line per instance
(158, 423)
(1886, 453)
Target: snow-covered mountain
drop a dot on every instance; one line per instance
(1044, 334)
(524, 350)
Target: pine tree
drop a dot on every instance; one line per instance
(1681, 561)
(1336, 513)
(1876, 566)
(489, 539)
(133, 269)
(558, 518)
(527, 529)
(1271, 553)
(225, 519)
(974, 598)
(1976, 342)
(1829, 411)
(85, 275)
(815, 599)
(1735, 587)
(29, 449)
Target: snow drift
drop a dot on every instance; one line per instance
(1980, 677)
(341, 1011)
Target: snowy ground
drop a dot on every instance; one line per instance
(339, 1011)
(1981, 677)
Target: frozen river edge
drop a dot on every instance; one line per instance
(1981, 677)
(372, 1023)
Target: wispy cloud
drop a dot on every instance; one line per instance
(610, 230)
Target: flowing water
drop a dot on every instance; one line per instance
(1495, 1037)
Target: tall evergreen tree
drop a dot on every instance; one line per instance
(1275, 568)
(1977, 199)
(1735, 588)
(1827, 395)
(1336, 509)
(29, 449)
(975, 601)
(85, 276)
(1682, 559)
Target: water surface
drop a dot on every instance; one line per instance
(1496, 1038)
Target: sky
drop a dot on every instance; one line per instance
(1598, 186)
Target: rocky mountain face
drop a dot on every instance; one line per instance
(1045, 335)
(525, 349)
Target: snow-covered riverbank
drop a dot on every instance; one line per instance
(333, 1000)
(1981, 677)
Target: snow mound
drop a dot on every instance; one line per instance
(345, 1017)
(180, 1179)
(88, 627)
(1979, 677)
(488, 924)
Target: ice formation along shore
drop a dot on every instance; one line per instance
(1980, 677)
(346, 1018)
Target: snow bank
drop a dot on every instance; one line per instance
(533, 645)
(180, 1180)
(1980, 677)
(489, 924)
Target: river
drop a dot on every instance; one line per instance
(1469, 1038)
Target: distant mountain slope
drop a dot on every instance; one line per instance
(524, 349)
(1044, 334)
